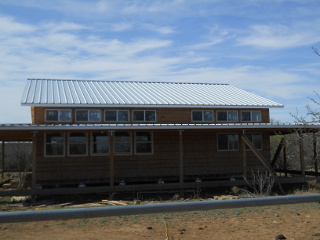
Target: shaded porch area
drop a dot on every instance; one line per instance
(183, 157)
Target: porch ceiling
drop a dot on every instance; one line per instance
(23, 132)
(15, 135)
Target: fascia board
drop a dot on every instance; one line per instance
(151, 106)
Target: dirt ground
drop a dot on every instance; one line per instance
(299, 221)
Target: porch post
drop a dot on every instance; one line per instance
(34, 160)
(315, 154)
(302, 163)
(181, 160)
(2, 159)
(111, 158)
(244, 157)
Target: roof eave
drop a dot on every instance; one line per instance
(150, 105)
(155, 126)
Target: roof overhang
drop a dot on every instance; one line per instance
(66, 105)
(25, 132)
(141, 126)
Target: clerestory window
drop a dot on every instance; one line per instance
(202, 116)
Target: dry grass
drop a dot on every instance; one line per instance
(312, 187)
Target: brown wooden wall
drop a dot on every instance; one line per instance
(164, 115)
(201, 159)
(69, 168)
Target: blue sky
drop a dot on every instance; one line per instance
(264, 47)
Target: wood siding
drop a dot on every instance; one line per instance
(164, 115)
(201, 159)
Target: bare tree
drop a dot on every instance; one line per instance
(315, 50)
(260, 183)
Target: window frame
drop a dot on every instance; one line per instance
(202, 115)
(59, 115)
(92, 143)
(88, 115)
(143, 142)
(251, 111)
(261, 139)
(69, 144)
(62, 144)
(117, 115)
(144, 115)
(227, 111)
(227, 150)
(117, 142)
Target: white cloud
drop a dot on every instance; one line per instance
(159, 29)
(216, 35)
(62, 26)
(122, 26)
(281, 36)
(10, 27)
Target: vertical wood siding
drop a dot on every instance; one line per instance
(201, 159)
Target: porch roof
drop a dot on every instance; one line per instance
(23, 132)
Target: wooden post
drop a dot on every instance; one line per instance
(315, 155)
(111, 159)
(34, 165)
(2, 159)
(285, 160)
(181, 160)
(244, 158)
(262, 159)
(277, 154)
(302, 163)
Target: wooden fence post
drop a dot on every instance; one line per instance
(302, 162)
(2, 159)
(285, 160)
(315, 155)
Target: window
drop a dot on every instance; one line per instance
(122, 143)
(88, 115)
(251, 116)
(228, 142)
(202, 116)
(143, 143)
(256, 140)
(77, 144)
(99, 143)
(116, 116)
(227, 116)
(58, 115)
(54, 144)
(144, 115)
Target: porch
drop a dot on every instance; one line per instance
(181, 179)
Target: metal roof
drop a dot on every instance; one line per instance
(24, 131)
(156, 126)
(58, 92)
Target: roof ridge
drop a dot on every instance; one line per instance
(123, 81)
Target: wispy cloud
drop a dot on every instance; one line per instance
(11, 27)
(159, 29)
(121, 26)
(278, 36)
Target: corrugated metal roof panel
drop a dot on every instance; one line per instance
(106, 127)
(53, 92)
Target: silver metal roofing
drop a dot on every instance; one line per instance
(57, 92)
(156, 126)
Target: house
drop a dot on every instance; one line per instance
(143, 135)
